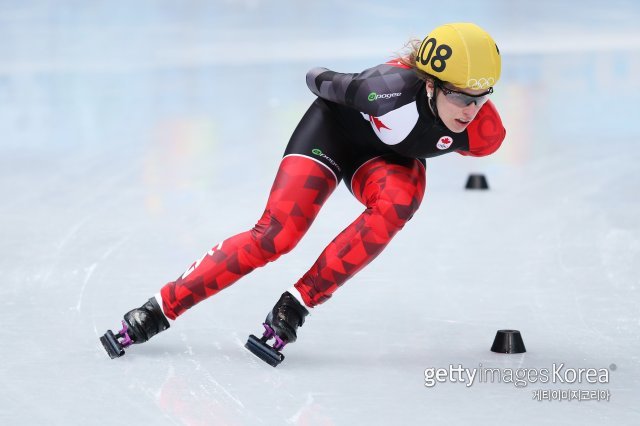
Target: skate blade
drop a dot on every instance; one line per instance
(264, 351)
(111, 345)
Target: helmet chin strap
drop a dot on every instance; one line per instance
(431, 100)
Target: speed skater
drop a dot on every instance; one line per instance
(373, 130)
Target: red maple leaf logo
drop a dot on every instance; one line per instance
(376, 122)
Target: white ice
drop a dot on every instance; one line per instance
(134, 136)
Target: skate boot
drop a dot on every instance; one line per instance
(281, 325)
(138, 326)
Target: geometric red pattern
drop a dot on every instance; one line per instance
(391, 188)
(391, 192)
(300, 189)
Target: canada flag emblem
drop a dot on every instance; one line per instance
(444, 142)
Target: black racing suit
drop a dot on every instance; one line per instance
(382, 110)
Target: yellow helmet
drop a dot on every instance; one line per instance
(462, 54)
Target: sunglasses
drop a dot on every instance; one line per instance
(462, 100)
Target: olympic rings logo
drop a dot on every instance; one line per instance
(481, 83)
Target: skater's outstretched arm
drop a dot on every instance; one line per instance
(374, 91)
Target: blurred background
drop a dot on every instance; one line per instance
(134, 136)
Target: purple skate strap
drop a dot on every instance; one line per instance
(268, 331)
(279, 343)
(127, 340)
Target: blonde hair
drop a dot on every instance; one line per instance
(407, 56)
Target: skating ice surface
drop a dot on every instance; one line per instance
(137, 135)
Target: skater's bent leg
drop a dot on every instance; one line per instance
(300, 189)
(392, 190)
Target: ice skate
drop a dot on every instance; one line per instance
(281, 325)
(138, 326)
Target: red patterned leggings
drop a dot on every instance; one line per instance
(391, 188)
